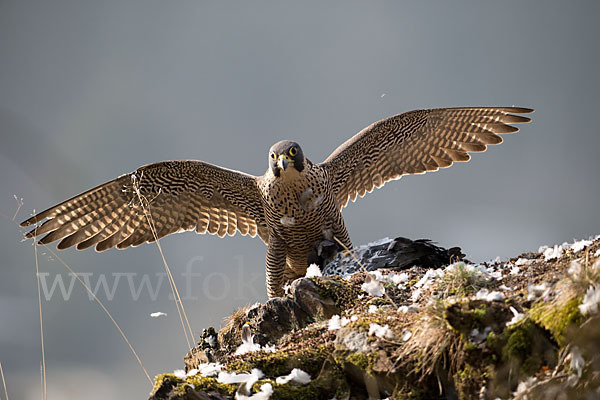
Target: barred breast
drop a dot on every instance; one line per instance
(302, 211)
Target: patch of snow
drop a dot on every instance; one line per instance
(552, 253)
(372, 309)
(537, 291)
(523, 261)
(209, 369)
(577, 246)
(590, 302)
(373, 286)
(503, 287)
(515, 270)
(288, 221)
(415, 295)
(517, 316)
(179, 373)
(268, 348)
(312, 271)
(266, 390)
(297, 375)
(378, 275)
(406, 335)
(192, 372)
(497, 275)
(244, 377)
(158, 314)
(399, 278)
(410, 309)
(428, 278)
(336, 322)
(484, 294)
(383, 332)
(248, 345)
(597, 253)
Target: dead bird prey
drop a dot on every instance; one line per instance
(293, 207)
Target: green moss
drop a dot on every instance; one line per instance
(313, 390)
(164, 380)
(378, 301)
(326, 384)
(468, 381)
(519, 347)
(169, 383)
(557, 319)
(343, 294)
(364, 361)
(206, 384)
(480, 313)
(462, 281)
(294, 392)
(309, 359)
(518, 343)
(465, 316)
(469, 346)
(360, 323)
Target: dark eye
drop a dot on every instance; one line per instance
(273, 156)
(293, 151)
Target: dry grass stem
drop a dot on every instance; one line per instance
(19, 205)
(432, 343)
(3, 381)
(105, 311)
(39, 292)
(145, 204)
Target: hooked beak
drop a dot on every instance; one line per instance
(283, 161)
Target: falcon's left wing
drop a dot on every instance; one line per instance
(175, 196)
(414, 143)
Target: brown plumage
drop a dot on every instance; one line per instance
(292, 207)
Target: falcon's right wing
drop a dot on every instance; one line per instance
(414, 143)
(175, 195)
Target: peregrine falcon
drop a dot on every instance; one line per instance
(294, 206)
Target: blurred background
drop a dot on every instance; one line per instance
(92, 90)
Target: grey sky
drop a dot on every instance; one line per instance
(91, 90)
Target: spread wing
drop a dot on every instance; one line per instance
(176, 195)
(414, 143)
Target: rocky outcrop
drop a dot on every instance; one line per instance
(403, 319)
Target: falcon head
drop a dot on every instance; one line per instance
(286, 157)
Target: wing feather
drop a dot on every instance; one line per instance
(175, 195)
(414, 143)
